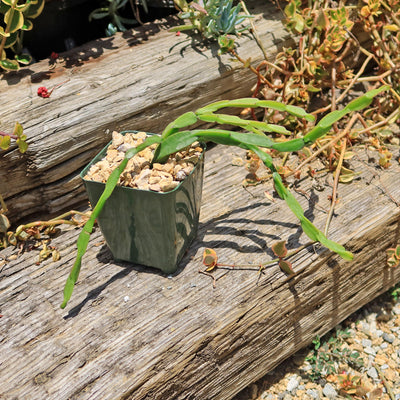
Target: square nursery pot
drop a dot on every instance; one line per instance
(149, 228)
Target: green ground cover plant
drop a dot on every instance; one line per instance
(17, 19)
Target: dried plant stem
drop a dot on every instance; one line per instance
(352, 82)
(378, 40)
(371, 78)
(252, 69)
(258, 267)
(329, 144)
(254, 31)
(335, 186)
(333, 87)
(387, 120)
(355, 78)
(392, 14)
(60, 220)
(385, 382)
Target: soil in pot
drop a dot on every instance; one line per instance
(138, 174)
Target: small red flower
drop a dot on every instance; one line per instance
(43, 92)
(54, 55)
(178, 33)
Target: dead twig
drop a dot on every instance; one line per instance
(335, 186)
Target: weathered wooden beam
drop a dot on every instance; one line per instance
(139, 79)
(133, 333)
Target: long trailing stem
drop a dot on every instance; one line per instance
(174, 138)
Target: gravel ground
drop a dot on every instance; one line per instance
(359, 359)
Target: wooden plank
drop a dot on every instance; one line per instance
(132, 333)
(140, 80)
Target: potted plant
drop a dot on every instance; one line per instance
(152, 216)
(176, 137)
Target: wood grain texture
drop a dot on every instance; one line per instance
(139, 80)
(132, 333)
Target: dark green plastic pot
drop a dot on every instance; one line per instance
(149, 228)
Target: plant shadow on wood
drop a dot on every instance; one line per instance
(104, 257)
(142, 33)
(231, 224)
(250, 229)
(90, 51)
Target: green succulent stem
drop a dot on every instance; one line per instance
(176, 137)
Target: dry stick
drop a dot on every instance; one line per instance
(392, 14)
(350, 85)
(332, 142)
(385, 382)
(252, 69)
(333, 85)
(55, 221)
(335, 185)
(254, 31)
(379, 124)
(371, 78)
(259, 267)
(378, 40)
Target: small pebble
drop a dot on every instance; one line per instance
(388, 337)
(267, 396)
(384, 346)
(372, 373)
(292, 384)
(369, 350)
(313, 393)
(378, 333)
(126, 298)
(329, 391)
(396, 310)
(366, 343)
(365, 327)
